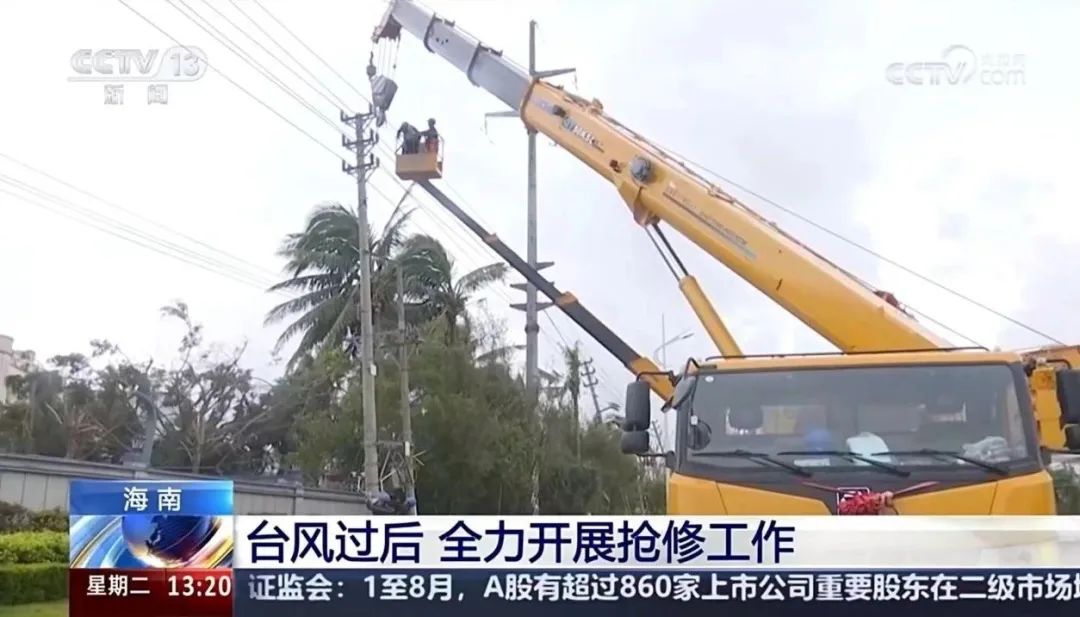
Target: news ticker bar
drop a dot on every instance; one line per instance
(188, 592)
(220, 592)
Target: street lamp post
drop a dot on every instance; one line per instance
(661, 353)
(662, 349)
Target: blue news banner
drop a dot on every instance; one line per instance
(292, 566)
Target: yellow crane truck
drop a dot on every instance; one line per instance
(962, 431)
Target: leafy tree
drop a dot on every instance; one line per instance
(320, 434)
(476, 432)
(210, 413)
(71, 411)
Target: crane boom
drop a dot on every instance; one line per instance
(484, 66)
(659, 187)
(643, 368)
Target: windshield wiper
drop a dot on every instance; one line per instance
(761, 458)
(953, 455)
(855, 456)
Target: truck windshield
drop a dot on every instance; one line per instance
(853, 417)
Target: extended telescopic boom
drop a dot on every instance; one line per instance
(640, 366)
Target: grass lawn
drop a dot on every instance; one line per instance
(44, 609)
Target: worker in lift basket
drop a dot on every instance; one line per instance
(410, 138)
(431, 136)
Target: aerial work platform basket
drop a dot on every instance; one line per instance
(425, 164)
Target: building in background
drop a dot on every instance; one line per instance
(12, 362)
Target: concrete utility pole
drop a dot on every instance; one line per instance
(365, 161)
(406, 408)
(532, 306)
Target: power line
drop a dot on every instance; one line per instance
(241, 10)
(133, 240)
(224, 39)
(309, 50)
(254, 97)
(127, 229)
(555, 326)
(135, 214)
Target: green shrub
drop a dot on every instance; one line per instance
(26, 583)
(34, 547)
(49, 520)
(13, 517)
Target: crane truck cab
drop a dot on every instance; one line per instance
(948, 432)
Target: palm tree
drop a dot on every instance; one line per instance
(324, 269)
(431, 286)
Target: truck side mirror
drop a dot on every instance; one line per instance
(637, 414)
(1068, 395)
(635, 442)
(1072, 437)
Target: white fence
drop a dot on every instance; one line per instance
(41, 483)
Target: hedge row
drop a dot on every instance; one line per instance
(39, 582)
(15, 518)
(34, 547)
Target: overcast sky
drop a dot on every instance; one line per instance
(974, 185)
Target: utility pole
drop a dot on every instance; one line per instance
(531, 306)
(591, 383)
(406, 408)
(364, 142)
